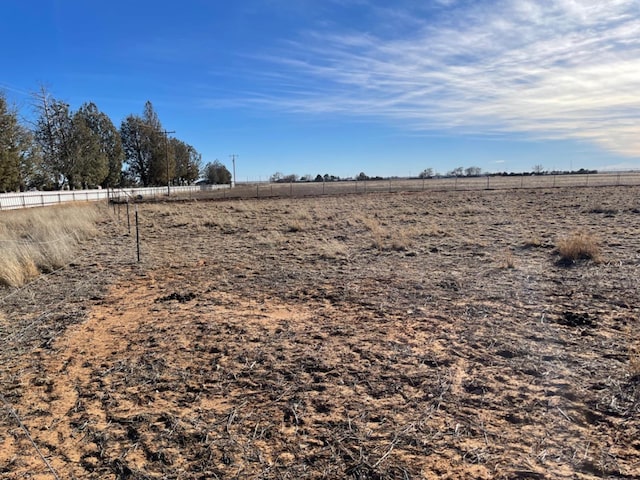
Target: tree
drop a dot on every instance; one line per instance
(538, 169)
(15, 147)
(426, 173)
(187, 162)
(80, 149)
(456, 172)
(109, 153)
(362, 177)
(91, 165)
(319, 178)
(473, 171)
(145, 147)
(276, 177)
(291, 178)
(216, 173)
(54, 135)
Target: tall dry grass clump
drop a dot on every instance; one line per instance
(42, 239)
(578, 246)
(634, 359)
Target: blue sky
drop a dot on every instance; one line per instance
(340, 87)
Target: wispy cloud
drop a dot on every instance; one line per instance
(551, 69)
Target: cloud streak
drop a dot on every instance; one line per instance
(561, 69)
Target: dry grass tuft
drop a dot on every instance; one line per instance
(634, 360)
(332, 250)
(401, 240)
(508, 260)
(42, 240)
(578, 246)
(295, 225)
(533, 242)
(387, 237)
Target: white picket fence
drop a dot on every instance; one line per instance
(12, 201)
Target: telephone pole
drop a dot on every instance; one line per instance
(233, 159)
(166, 145)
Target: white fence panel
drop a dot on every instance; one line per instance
(12, 201)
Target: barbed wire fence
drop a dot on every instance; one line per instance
(12, 201)
(261, 190)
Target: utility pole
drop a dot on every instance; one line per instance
(166, 144)
(233, 159)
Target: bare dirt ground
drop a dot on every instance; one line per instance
(379, 336)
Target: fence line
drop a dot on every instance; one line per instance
(12, 201)
(9, 201)
(510, 182)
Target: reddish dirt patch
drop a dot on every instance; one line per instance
(383, 336)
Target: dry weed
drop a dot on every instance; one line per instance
(431, 228)
(401, 240)
(42, 240)
(295, 225)
(634, 360)
(578, 246)
(386, 237)
(376, 230)
(332, 249)
(508, 260)
(271, 239)
(533, 242)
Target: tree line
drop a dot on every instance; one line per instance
(65, 149)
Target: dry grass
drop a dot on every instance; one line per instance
(508, 260)
(42, 240)
(241, 349)
(533, 242)
(578, 246)
(634, 360)
(332, 249)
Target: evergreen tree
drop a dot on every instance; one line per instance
(13, 140)
(54, 135)
(110, 154)
(145, 148)
(187, 162)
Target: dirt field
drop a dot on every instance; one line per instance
(378, 336)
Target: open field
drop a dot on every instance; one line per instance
(378, 336)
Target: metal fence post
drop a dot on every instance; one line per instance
(137, 236)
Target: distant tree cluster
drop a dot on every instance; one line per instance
(67, 149)
(465, 172)
(472, 171)
(216, 173)
(279, 177)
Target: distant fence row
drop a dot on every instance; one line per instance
(9, 201)
(300, 189)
